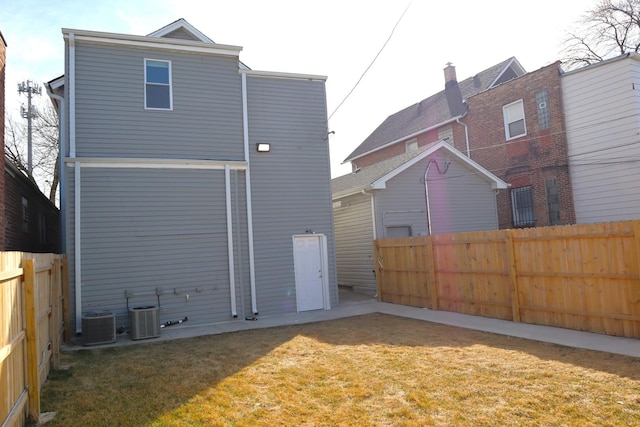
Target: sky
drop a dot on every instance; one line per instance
(334, 38)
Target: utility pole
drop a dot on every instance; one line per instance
(30, 88)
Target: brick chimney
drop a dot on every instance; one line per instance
(450, 73)
(452, 91)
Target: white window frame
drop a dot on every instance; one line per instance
(170, 85)
(511, 115)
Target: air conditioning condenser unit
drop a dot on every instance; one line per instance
(98, 327)
(144, 322)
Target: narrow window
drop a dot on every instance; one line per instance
(514, 125)
(544, 119)
(157, 79)
(522, 206)
(411, 145)
(553, 201)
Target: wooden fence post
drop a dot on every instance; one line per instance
(56, 316)
(33, 385)
(65, 298)
(513, 275)
(430, 265)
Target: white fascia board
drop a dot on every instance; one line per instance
(278, 75)
(141, 163)
(403, 138)
(152, 42)
(496, 183)
(350, 192)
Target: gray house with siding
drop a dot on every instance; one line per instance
(191, 182)
(431, 190)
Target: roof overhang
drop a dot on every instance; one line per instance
(496, 183)
(97, 37)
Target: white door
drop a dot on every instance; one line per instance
(310, 264)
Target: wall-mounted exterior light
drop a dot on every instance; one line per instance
(263, 147)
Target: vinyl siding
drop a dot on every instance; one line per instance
(601, 111)
(354, 244)
(111, 121)
(290, 184)
(460, 200)
(166, 232)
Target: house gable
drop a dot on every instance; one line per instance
(181, 29)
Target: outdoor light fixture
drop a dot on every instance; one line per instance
(263, 147)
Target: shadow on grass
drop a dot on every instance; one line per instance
(136, 385)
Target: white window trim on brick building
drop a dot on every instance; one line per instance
(514, 122)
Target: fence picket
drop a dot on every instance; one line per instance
(583, 277)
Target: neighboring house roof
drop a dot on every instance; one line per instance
(377, 175)
(433, 111)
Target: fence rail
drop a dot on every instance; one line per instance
(31, 330)
(584, 277)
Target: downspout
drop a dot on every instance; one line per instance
(71, 81)
(245, 128)
(426, 196)
(232, 278)
(426, 187)
(466, 135)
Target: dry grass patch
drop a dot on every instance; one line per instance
(374, 370)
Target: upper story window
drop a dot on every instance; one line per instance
(411, 145)
(157, 84)
(514, 124)
(544, 118)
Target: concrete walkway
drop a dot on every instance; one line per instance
(353, 304)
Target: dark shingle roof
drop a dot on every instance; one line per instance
(434, 110)
(363, 178)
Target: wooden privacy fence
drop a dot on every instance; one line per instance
(584, 277)
(31, 330)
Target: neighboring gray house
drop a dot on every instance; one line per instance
(190, 181)
(601, 107)
(431, 190)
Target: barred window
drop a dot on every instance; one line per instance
(522, 206)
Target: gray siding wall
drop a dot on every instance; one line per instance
(291, 184)
(111, 121)
(354, 243)
(166, 232)
(459, 200)
(601, 114)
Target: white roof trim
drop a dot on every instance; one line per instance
(513, 61)
(275, 74)
(181, 23)
(496, 183)
(152, 42)
(150, 163)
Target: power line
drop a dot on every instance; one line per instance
(372, 62)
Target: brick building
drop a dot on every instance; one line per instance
(29, 222)
(517, 131)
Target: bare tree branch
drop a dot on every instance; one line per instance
(610, 29)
